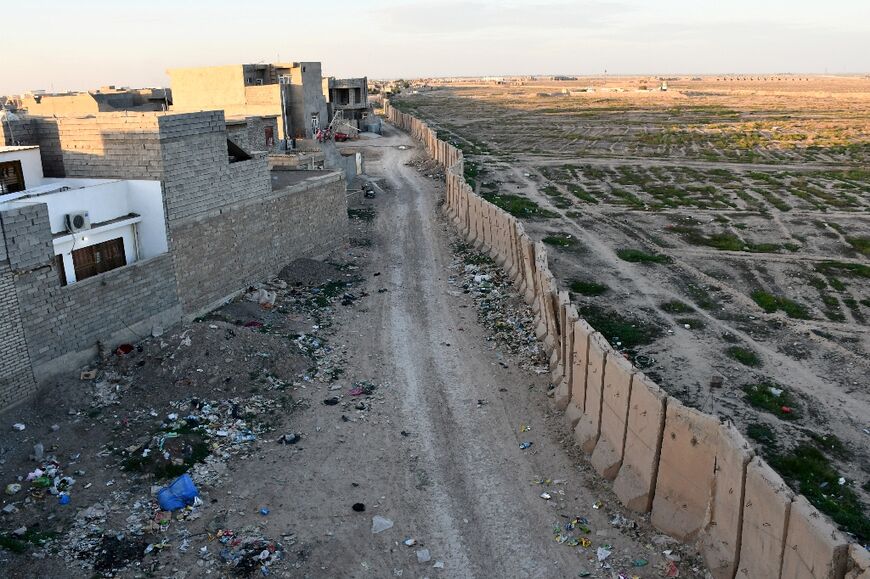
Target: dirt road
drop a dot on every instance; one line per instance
(441, 456)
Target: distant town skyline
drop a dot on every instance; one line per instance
(95, 42)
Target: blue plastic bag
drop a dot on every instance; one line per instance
(178, 494)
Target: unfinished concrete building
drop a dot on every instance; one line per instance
(349, 96)
(118, 224)
(291, 92)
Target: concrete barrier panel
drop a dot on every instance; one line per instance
(858, 566)
(528, 268)
(814, 548)
(720, 543)
(551, 301)
(589, 427)
(615, 397)
(557, 371)
(684, 485)
(540, 308)
(766, 510)
(579, 370)
(635, 483)
(513, 269)
(562, 392)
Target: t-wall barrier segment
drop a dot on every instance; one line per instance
(697, 476)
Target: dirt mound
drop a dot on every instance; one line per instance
(309, 272)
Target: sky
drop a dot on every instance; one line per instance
(61, 45)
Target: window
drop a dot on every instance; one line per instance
(270, 137)
(99, 258)
(11, 177)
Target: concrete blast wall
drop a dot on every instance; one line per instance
(696, 476)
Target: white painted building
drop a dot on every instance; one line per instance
(96, 224)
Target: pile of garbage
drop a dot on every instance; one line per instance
(247, 551)
(46, 480)
(199, 435)
(508, 319)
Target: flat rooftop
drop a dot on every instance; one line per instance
(285, 178)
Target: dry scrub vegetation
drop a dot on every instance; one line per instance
(716, 229)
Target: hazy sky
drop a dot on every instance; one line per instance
(59, 45)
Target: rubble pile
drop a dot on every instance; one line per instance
(508, 319)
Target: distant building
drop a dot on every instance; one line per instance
(350, 96)
(291, 92)
(105, 99)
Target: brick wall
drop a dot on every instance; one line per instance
(110, 145)
(36, 131)
(16, 378)
(222, 252)
(257, 133)
(227, 229)
(197, 177)
(106, 145)
(63, 324)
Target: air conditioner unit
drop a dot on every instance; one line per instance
(78, 221)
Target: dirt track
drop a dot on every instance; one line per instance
(458, 483)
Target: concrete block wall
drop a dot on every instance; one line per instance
(16, 376)
(697, 477)
(62, 324)
(227, 229)
(197, 175)
(256, 238)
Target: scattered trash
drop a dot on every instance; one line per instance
(289, 438)
(124, 349)
(63, 499)
(359, 507)
(409, 542)
(786, 409)
(525, 428)
(671, 570)
(12, 488)
(88, 375)
(438, 565)
(602, 553)
(597, 505)
(362, 388)
(331, 401)
(18, 426)
(525, 445)
(264, 511)
(381, 524)
(622, 522)
(423, 556)
(546, 496)
(639, 562)
(178, 494)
